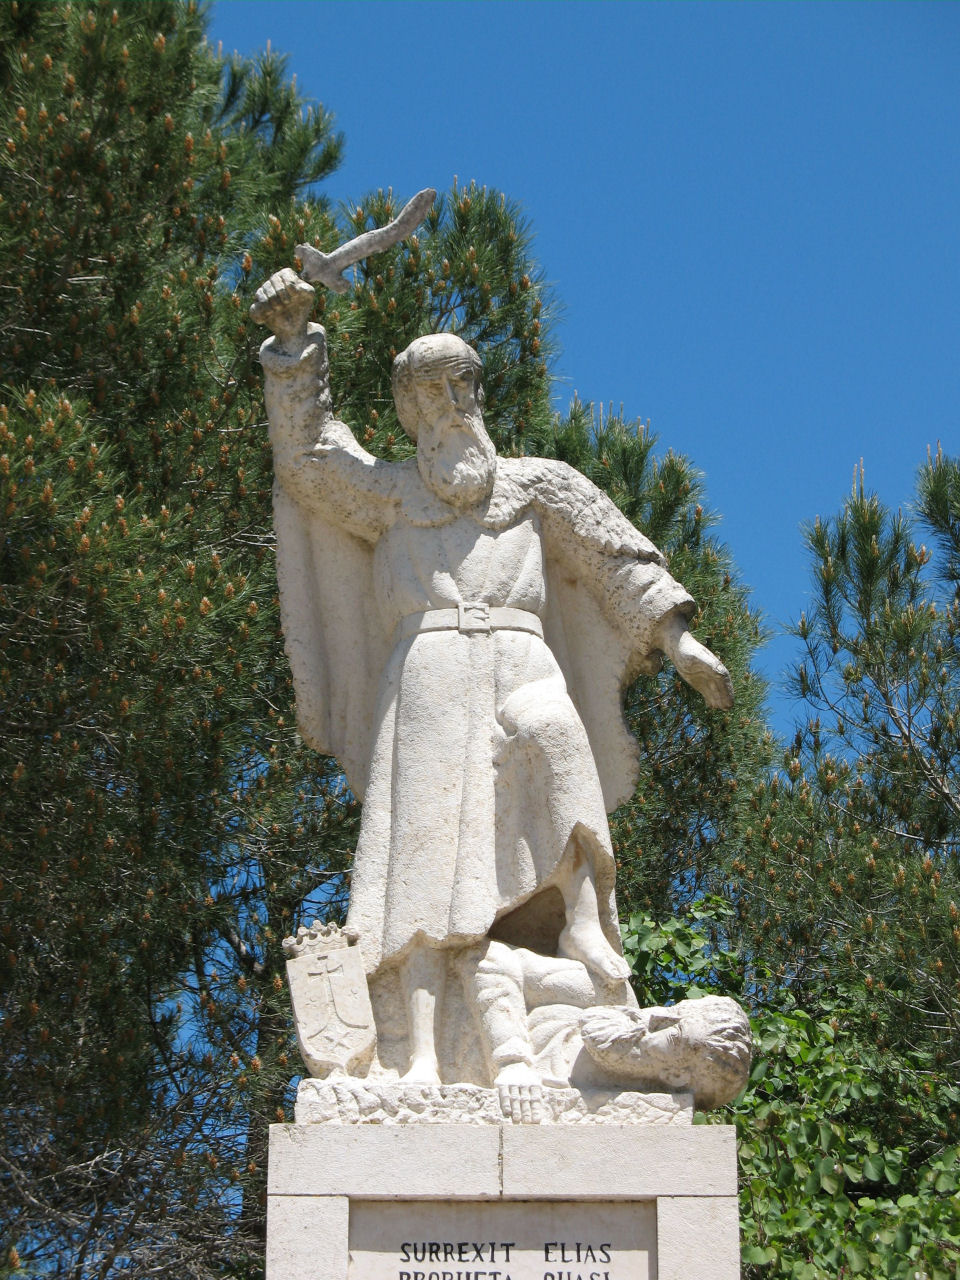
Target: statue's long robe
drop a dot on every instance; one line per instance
(478, 756)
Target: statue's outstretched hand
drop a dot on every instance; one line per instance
(284, 304)
(700, 668)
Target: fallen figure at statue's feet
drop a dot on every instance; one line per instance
(548, 1021)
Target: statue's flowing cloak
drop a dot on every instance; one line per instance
(410, 721)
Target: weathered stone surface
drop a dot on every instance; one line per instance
(307, 1236)
(459, 627)
(331, 1002)
(385, 1162)
(618, 1162)
(698, 1236)
(350, 1102)
(513, 1162)
(552, 1241)
(663, 1200)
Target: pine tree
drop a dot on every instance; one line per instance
(865, 814)
(137, 631)
(847, 889)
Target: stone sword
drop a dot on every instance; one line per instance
(327, 268)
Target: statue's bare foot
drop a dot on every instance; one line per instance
(422, 1071)
(584, 940)
(521, 1093)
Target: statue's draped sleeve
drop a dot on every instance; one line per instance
(330, 503)
(608, 593)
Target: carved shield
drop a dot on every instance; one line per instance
(331, 1007)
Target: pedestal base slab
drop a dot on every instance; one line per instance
(502, 1202)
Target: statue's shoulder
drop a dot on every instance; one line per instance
(514, 490)
(545, 481)
(571, 501)
(539, 484)
(531, 471)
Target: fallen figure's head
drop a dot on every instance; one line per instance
(702, 1045)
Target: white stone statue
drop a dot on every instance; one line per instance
(460, 627)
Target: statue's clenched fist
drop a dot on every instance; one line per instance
(283, 303)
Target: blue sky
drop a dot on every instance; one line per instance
(748, 212)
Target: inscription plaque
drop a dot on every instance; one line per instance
(515, 1240)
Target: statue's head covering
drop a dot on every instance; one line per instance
(427, 357)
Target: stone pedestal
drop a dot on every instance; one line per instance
(481, 1201)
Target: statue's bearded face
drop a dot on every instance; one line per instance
(455, 455)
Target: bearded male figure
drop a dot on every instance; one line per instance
(460, 627)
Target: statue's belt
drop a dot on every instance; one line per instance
(469, 617)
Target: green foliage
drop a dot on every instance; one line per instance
(824, 1192)
(864, 815)
(159, 821)
(846, 890)
(843, 1165)
(685, 956)
(938, 496)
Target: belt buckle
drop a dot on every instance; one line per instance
(473, 615)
